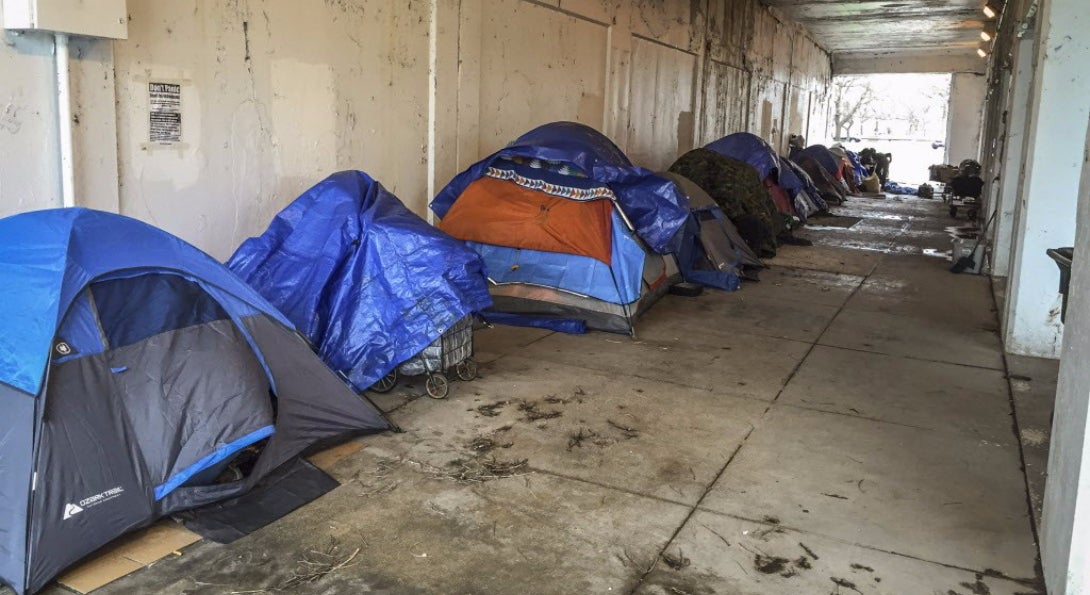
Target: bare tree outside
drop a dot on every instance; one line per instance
(902, 114)
(852, 95)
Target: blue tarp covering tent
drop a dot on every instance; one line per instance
(572, 233)
(753, 150)
(131, 363)
(367, 281)
(652, 204)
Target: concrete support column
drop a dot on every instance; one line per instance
(469, 84)
(965, 119)
(443, 87)
(1060, 105)
(1065, 528)
(1010, 170)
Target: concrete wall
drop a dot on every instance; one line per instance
(966, 116)
(1048, 191)
(278, 94)
(29, 153)
(1065, 528)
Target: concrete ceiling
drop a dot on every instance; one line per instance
(889, 27)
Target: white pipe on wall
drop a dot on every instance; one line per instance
(64, 121)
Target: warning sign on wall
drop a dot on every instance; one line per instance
(165, 104)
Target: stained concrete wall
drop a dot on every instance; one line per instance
(275, 95)
(1065, 530)
(29, 175)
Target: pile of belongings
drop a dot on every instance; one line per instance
(876, 163)
(852, 171)
(968, 183)
(134, 369)
(943, 173)
(573, 235)
(368, 282)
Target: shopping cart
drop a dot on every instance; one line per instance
(965, 189)
(453, 350)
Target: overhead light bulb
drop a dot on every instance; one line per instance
(981, 53)
(989, 11)
(985, 36)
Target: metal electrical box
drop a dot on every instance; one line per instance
(91, 18)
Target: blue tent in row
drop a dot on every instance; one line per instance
(132, 367)
(571, 232)
(370, 283)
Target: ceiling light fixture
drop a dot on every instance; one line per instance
(990, 10)
(988, 31)
(980, 52)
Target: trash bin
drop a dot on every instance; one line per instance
(1063, 257)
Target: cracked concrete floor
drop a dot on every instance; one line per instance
(843, 426)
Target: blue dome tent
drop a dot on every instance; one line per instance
(573, 235)
(132, 365)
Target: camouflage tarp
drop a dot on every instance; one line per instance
(737, 188)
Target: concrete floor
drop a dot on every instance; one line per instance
(843, 426)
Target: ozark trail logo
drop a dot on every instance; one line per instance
(71, 510)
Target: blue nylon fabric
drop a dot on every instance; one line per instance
(692, 252)
(617, 283)
(131, 310)
(210, 459)
(655, 207)
(47, 258)
(578, 274)
(560, 325)
(896, 188)
(751, 149)
(367, 281)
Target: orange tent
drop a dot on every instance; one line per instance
(503, 213)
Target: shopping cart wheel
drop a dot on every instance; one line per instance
(438, 386)
(466, 369)
(386, 383)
